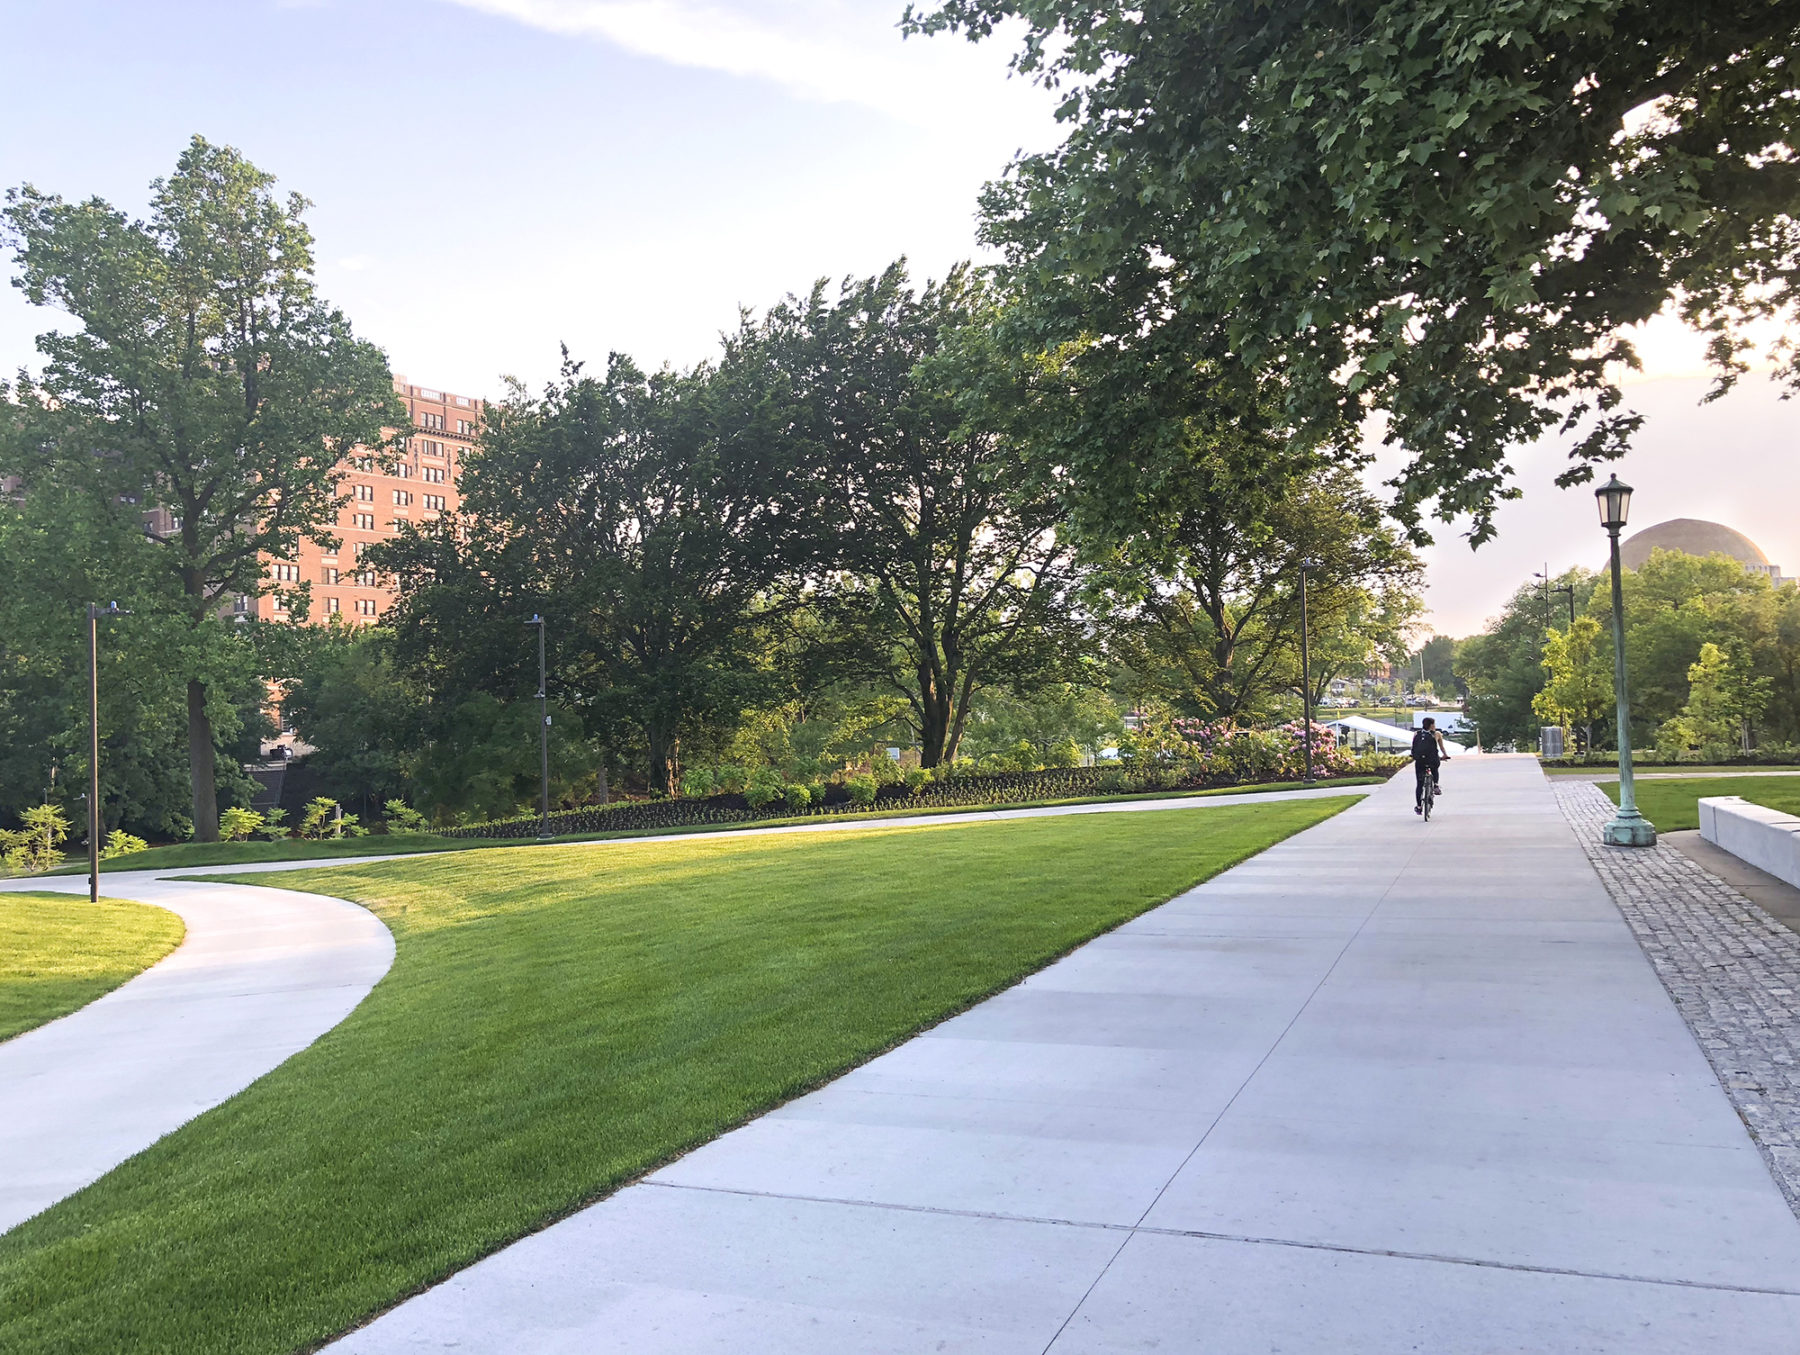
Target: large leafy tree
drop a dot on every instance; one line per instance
(206, 378)
(947, 573)
(1203, 600)
(1440, 211)
(650, 518)
(66, 544)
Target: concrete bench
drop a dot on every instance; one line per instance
(1767, 838)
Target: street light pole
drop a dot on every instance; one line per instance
(1568, 592)
(1306, 667)
(1627, 828)
(95, 612)
(543, 698)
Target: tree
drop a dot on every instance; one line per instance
(1440, 212)
(1202, 601)
(207, 379)
(66, 544)
(1503, 666)
(650, 519)
(1436, 659)
(947, 572)
(345, 698)
(1579, 689)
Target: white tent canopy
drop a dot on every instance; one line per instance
(1359, 732)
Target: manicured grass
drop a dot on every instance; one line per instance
(1678, 769)
(59, 952)
(556, 1023)
(1675, 805)
(295, 849)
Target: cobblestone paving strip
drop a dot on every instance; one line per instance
(1733, 971)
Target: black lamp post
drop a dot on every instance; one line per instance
(1627, 828)
(543, 699)
(95, 612)
(1568, 592)
(1306, 665)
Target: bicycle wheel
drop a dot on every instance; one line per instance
(1430, 797)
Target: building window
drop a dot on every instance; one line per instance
(364, 463)
(328, 575)
(365, 606)
(358, 549)
(286, 573)
(402, 497)
(396, 524)
(435, 422)
(278, 605)
(364, 520)
(402, 471)
(465, 427)
(366, 493)
(366, 578)
(331, 606)
(433, 474)
(434, 501)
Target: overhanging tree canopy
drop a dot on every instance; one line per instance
(1441, 211)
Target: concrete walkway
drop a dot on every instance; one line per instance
(1387, 1087)
(261, 974)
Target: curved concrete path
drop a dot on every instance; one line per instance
(1386, 1087)
(261, 974)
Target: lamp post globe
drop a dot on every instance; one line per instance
(1627, 828)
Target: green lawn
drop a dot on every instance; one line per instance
(1677, 769)
(185, 854)
(557, 1022)
(1674, 805)
(59, 952)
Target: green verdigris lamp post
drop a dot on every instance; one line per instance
(1627, 828)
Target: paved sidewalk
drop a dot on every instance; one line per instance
(1733, 971)
(261, 974)
(1387, 1087)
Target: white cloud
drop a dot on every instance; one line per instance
(356, 263)
(828, 51)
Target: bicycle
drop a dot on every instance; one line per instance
(1429, 797)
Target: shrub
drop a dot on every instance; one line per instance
(120, 843)
(34, 847)
(236, 824)
(764, 788)
(1112, 781)
(917, 778)
(732, 780)
(697, 783)
(274, 825)
(318, 819)
(403, 818)
(862, 788)
(798, 797)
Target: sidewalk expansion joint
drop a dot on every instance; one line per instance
(1250, 1239)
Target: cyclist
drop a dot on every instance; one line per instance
(1427, 753)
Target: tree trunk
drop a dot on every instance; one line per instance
(662, 769)
(200, 764)
(934, 719)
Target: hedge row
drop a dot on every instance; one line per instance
(977, 791)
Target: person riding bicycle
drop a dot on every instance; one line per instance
(1427, 753)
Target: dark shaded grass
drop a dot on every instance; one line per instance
(558, 1022)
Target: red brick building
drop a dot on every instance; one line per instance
(380, 498)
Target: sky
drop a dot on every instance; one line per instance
(495, 179)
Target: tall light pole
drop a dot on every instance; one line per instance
(543, 698)
(1568, 592)
(1627, 828)
(1306, 665)
(95, 612)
